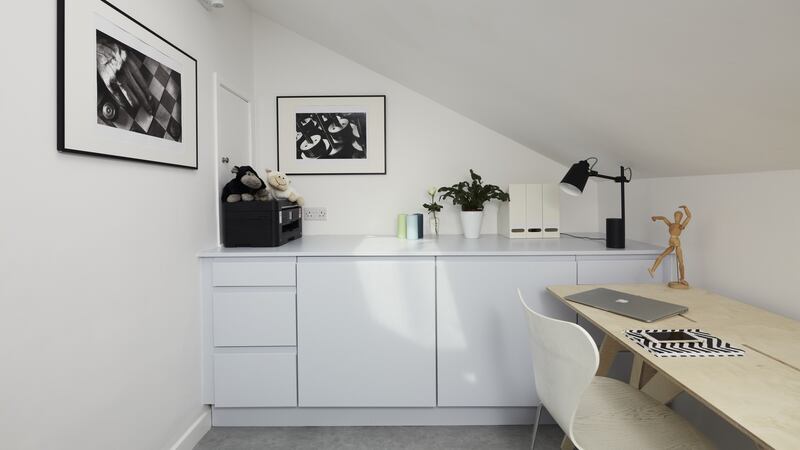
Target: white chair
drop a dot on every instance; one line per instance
(597, 412)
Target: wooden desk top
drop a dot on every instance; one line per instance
(758, 393)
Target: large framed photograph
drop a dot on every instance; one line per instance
(123, 90)
(332, 135)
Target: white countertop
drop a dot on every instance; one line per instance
(445, 245)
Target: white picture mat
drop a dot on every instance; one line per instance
(374, 107)
(81, 130)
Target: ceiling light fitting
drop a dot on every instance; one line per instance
(212, 4)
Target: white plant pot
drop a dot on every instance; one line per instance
(471, 223)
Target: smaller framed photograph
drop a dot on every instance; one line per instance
(332, 135)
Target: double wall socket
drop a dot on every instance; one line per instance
(315, 213)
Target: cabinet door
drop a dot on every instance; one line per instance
(622, 269)
(366, 332)
(255, 377)
(484, 357)
(253, 272)
(254, 316)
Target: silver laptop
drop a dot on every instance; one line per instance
(628, 305)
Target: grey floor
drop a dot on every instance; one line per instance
(380, 438)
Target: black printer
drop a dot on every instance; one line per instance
(260, 224)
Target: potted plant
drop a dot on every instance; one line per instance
(471, 197)
(433, 208)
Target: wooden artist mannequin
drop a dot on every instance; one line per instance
(675, 229)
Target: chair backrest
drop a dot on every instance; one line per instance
(565, 360)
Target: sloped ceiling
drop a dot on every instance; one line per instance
(677, 87)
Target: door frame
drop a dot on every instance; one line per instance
(220, 83)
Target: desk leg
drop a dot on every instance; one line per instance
(661, 389)
(636, 371)
(648, 372)
(641, 372)
(608, 351)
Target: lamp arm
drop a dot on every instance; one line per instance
(619, 179)
(622, 179)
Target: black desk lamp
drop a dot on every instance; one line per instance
(574, 182)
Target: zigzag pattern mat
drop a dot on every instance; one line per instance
(711, 346)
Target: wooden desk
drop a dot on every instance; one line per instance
(758, 393)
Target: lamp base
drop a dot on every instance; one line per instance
(615, 233)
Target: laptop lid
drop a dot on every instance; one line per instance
(628, 305)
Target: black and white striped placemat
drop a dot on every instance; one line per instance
(711, 346)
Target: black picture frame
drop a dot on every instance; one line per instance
(61, 102)
(382, 128)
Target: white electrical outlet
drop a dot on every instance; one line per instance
(315, 213)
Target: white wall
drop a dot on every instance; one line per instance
(744, 239)
(99, 284)
(427, 144)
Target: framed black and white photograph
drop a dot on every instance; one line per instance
(332, 135)
(124, 90)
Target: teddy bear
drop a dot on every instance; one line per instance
(247, 186)
(278, 186)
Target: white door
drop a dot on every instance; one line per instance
(483, 353)
(234, 132)
(366, 332)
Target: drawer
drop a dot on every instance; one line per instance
(253, 272)
(264, 377)
(623, 269)
(254, 316)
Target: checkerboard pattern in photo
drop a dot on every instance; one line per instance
(164, 85)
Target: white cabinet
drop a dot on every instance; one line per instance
(253, 272)
(620, 269)
(432, 333)
(366, 331)
(254, 316)
(483, 352)
(255, 377)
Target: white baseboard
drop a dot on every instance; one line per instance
(292, 417)
(195, 432)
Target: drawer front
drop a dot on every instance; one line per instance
(254, 316)
(620, 270)
(251, 378)
(253, 272)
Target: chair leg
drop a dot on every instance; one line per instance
(536, 426)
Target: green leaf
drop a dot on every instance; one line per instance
(471, 196)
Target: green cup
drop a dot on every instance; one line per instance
(401, 226)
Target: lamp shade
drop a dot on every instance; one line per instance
(575, 179)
